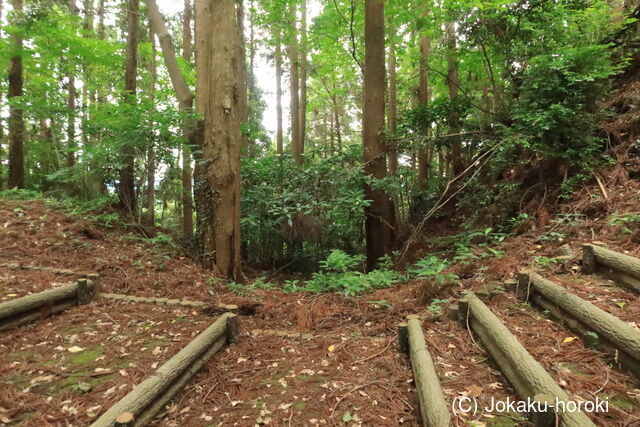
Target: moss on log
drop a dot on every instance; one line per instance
(622, 268)
(433, 407)
(150, 396)
(526, 375)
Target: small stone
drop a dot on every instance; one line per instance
(564, 251)
(84, 387)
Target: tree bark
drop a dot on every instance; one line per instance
(453, 84)
(219, 80)
(101, 35)
(71, 103)
(149, 218)
(379, 222)
(1, 121)
(278, 60)
(336, 121)
(294, 82)
(392, 118)
(126, 186)
(187, 174)
(183, 93)
(303, 74)
(16, 118)
(424, 97)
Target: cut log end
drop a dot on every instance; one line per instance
(125, 419)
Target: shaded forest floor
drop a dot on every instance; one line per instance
(302, 359)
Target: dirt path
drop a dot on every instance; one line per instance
(301, 359)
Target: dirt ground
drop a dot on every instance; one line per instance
(302, 359)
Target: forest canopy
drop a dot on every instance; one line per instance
(275, 132)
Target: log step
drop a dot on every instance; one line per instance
(621, 268)
(21, 311)
(141, 404)
(597, 327)
(526, 375)
(209, 308)
(433, 407)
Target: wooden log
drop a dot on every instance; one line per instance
(433, 407)
(620, 358)
(36, 314)
(622, 268)
(616, 331)
(159, 404)
(148, 397)
(524, 372)
(21, 310)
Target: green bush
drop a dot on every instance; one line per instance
(337, 274)
(294, 215)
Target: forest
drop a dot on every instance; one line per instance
(311, 212)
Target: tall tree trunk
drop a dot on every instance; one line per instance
(252, 97)
(219, 77)
(187, 175)
(453, 84)
(303, 74)
(87, 26)
(71, 103)
(379, 222)
(1, 120)
(16, 119)
(336, 121)
(126, 186)
(149, 218)
(242, 87)
(424, 96)
(191, 132)
(278, 60)
(1, 150)
(392, 118)
(294, 79)
(101, 36)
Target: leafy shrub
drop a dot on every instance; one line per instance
(19, 194)
(294, 215)
(337, 274)
(432, 267)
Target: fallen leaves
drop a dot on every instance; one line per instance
(40, 379)
(75, 349)
(474, 390)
